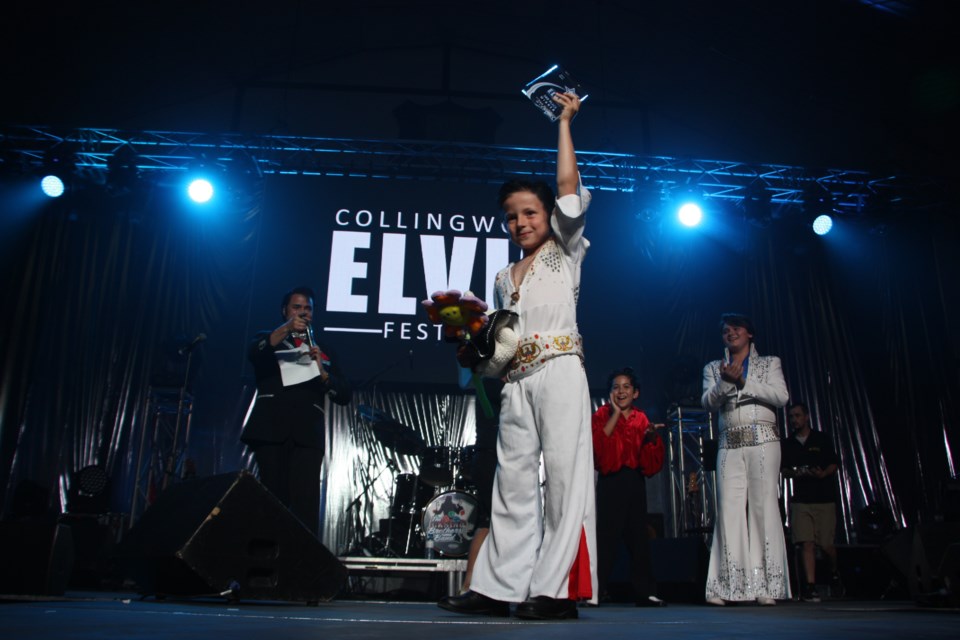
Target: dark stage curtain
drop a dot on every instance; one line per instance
(101, 292)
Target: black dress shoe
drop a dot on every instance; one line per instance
(651, 601)
(544, 608)
(475, 603)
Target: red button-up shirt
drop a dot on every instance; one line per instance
(626, 446)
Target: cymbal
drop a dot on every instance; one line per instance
(398, 437)
(372, 413)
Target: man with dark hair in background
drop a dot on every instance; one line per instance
(285, 430)
(808, 457)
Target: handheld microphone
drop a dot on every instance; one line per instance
(187, 348)
(310, 339)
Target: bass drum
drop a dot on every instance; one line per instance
(451, 518)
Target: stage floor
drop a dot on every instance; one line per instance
(118, 615)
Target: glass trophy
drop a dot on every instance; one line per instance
(541, 90)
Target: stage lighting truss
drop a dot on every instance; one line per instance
(757, 206)
(781, 186)
(123, 172)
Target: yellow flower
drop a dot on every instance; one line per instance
(461, 314)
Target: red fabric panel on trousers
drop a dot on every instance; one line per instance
(579, 585)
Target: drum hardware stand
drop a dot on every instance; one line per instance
(388, 541)
(357, 538)
(412, 513)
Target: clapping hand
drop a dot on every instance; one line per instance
(732, 372)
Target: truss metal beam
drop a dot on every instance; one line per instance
(159, 151)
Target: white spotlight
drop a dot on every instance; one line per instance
(52, 186)
(690, 214)
(200, 190)
(822, 225)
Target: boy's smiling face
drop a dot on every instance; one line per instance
(527, 220)
(622, 392)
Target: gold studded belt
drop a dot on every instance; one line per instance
(537, 348)
(749, 435)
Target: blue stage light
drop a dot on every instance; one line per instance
(822, 225)
(200, 190)
(52, 186)
(690, 214)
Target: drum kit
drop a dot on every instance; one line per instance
(433, 509)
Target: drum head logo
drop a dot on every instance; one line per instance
(451, 519)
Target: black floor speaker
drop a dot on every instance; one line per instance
(227, 535)
(866, 573)
(680, 568)
(927, 556)
(36, 557)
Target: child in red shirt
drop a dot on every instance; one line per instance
(626, 450)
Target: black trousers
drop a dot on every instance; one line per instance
(292, 474)
(622, 516)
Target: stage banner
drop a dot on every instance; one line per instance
(372, 249)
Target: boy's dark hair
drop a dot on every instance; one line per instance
(801, 405)
(737, 320)
(303, 291)
(539, 188)
(629, 373)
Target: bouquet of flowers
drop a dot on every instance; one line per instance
(486, 340)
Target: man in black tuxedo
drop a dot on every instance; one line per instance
(285, 430)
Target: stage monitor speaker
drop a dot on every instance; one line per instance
(227, 535)
(865, 573)
(619, 582)
(924, 555)
(36, 557)
(680, 568)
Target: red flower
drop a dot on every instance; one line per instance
(461, 314)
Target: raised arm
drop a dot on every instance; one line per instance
(568, 178)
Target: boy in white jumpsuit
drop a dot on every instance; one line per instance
(546, 563)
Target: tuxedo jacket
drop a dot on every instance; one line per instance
(293, 412)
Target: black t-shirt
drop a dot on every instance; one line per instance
(817, 451)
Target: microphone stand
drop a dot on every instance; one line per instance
(376, 376)
(385, 369)
(358, 523)
(390, 463)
